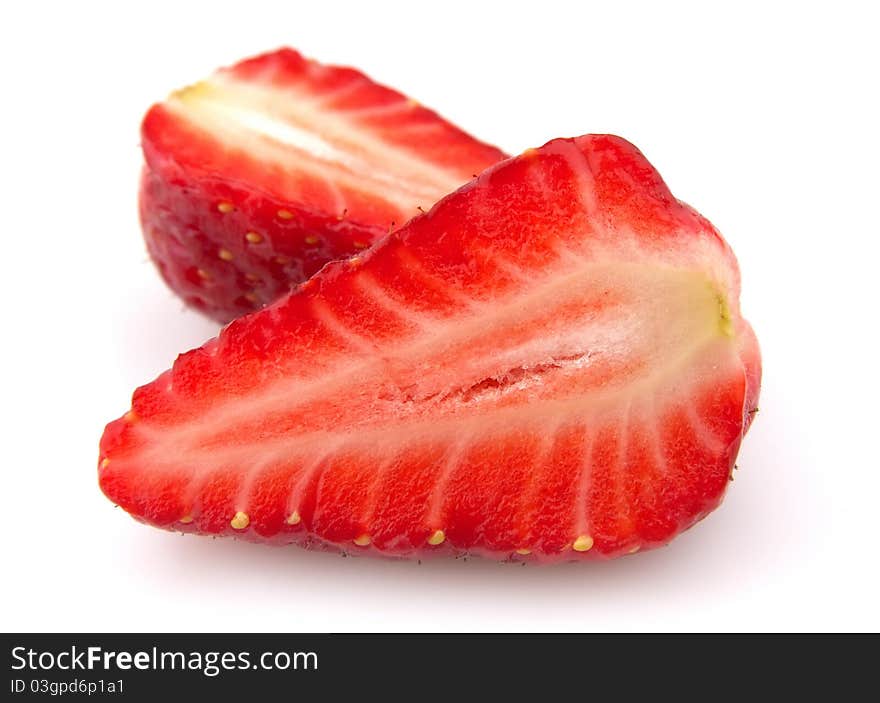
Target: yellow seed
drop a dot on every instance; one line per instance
(530, 153)
(186, 519)
(130, 416)
(294, 518)
(240, 521)
(203, 274)
(282, 260)
(524, 552)
(284, 214)
(437, 538)
(634, 549)
(254, 237)
(104, 463)
(583, 543)
(225, 207)
(225, 254)
(250, 296)
(362, 540)
(252, 277)
(412, 103)
(354, 261)
(360, 245)
(311, 239)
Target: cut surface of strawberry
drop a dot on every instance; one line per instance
(259, 175)
(549, 365)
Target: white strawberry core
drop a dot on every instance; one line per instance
(298, 130)
(583, 339)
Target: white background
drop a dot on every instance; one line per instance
(763, 116)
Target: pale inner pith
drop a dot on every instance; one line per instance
(580, 341)
(295, 130)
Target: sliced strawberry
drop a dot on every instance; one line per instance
(550, 364)
(264, 172)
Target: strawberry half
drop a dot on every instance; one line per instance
(550, 364)
(261, 174)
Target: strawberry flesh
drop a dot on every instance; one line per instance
(549, 365)
(259, 175)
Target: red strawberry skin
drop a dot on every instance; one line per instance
(549, 365)
(258, 176)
